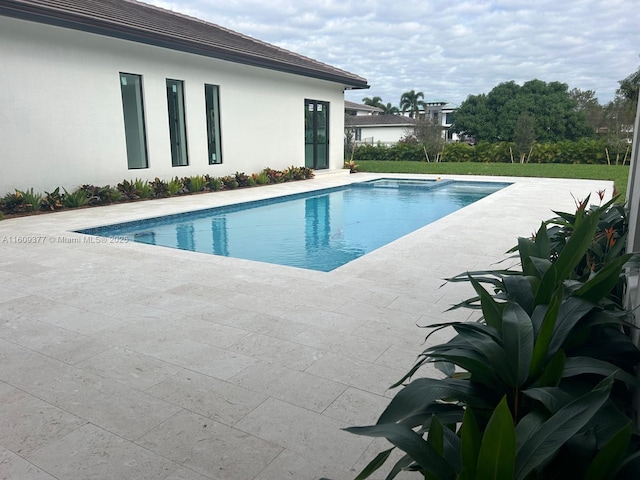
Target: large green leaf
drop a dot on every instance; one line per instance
(375, 464)
(527, 249)
(435, 437)
(528, 425)
(478, 349)
(517, 334)
(481, 369)
(609, 459)
(447, 413)
(421, 392)
(601, 284)
(496, 459)
(452, 446)
(413, 445)
(491, 310)
(570, 312)
(609, 317)
(400, 466)
(470, 440)
(472, 329)
(541, 266)
(577, 245)
(542, 241)
(552, 373)
(553, 398)
(545, 442)
(587, 365)
(545, 334)
(519, 290)
(548, 285)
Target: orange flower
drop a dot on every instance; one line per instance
(610, 232)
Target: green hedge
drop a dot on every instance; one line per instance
(582, 151)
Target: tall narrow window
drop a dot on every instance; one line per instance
(177, 126)
(134, 127)
(213, 123)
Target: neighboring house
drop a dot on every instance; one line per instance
(97, 91)
(440, 113)
(383, 129)
(370, 125)
(357, 109)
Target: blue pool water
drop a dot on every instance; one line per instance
(319, 230)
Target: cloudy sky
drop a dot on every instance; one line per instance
(447, 49)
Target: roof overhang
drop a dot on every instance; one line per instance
(265, 56)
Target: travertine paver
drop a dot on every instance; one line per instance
(114, 357)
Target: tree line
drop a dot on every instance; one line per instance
(536, 112)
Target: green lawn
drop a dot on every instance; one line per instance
(618, 173)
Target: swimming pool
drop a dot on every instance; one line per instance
(319, 230)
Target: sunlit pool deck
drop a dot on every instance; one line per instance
(125, 360)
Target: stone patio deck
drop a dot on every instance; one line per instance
(130, 361)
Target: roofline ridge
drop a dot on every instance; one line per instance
(242, 35)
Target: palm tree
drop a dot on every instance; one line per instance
(390, 109)
(373, 102)
(410, 101)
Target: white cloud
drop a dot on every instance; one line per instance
(446, 49)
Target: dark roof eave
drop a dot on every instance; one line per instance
(157, 40)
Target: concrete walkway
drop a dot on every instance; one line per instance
(130, 361)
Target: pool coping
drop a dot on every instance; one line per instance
(122, 231)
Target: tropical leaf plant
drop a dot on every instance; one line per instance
(213, 183)
(52, 200)
(174, 187)
(229, 182)
(13, 202)
(102, 195)
(242, 179)
(77, 198)
(195, 183)
(159, 187)
(541, 385)
(143, 188)
(31, 201)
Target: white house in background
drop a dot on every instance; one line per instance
(442, 113)
(379, 129)
(359, 109)
(97, 91)
(370, 124)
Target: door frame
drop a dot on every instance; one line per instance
(316, 156)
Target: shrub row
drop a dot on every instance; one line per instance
(23, 201)
(583, 151)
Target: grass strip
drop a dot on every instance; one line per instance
(619, 174)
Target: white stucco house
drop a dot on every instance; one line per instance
(369, 125)
(97, 91)
(379, 129)
(440, 113)
(360, 109)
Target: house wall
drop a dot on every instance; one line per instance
(62, 119)
(385, 135)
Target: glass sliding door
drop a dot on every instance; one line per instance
(134, 124)
(177, 125)
(316, 134)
